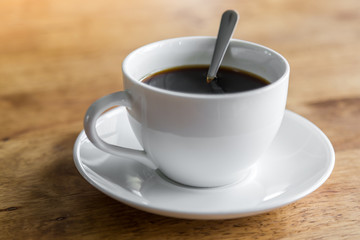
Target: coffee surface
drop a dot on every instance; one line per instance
(192, 79)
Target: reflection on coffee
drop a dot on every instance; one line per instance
(192, 79)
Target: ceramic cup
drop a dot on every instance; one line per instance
(201, 140)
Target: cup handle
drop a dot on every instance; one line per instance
(91, 116)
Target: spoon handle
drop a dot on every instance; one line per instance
(226, 29)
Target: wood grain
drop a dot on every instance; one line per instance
(56, 57)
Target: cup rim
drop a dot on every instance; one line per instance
(266, 88)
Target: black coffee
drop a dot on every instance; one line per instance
(192, 79)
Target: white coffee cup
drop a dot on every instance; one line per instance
(201, 140)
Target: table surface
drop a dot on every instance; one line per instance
(57, 57)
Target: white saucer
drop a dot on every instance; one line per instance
(300, 159)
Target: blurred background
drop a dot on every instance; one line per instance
(62, 50)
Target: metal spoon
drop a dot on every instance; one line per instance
(226, 29)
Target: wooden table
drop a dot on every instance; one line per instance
(57, 57)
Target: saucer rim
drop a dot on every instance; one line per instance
(209, 214)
